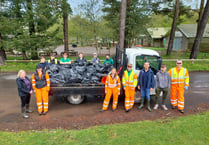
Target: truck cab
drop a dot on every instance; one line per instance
(137, 56)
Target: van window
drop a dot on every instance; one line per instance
(153, 60)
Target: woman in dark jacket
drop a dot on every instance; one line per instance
(24, 90)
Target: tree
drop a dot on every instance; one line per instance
(2, 51)
(92, 10)
(122, 24)
(137, 17)
(200, 32)
(65, 7)
(173, 29)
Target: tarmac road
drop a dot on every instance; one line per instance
(68, 116)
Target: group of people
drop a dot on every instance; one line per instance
(176, 79)
(41, 82)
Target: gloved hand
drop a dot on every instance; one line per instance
(186, 88)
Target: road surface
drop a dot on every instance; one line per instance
(68, 116)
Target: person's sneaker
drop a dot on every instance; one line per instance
(156, 107)
(182, 111)
(28, 111)
(25, 116)
(127, 110)
(40, 114)
(164, 107)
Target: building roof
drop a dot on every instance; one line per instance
(159, 32)
(190, 30)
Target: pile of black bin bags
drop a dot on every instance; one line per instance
(85, 73)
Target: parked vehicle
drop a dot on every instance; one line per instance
(76, 93)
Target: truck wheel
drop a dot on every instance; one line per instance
(75, 99)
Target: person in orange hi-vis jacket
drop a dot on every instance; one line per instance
(112, 87)
(129, 82)
(179, 83)
(41, 86)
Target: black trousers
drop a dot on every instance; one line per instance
(25, 100)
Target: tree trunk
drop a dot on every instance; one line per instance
(65, 30)
(24, 55)
(173, 29)
(34, 53)
(2, 52)
(122, 24)
(200, 12)
(200, 32)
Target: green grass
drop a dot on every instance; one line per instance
(29, 66)
(182, 54)
(195, 66)
(189, 130)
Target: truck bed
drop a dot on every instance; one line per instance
(77, 89)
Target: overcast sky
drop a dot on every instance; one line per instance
(75, 3)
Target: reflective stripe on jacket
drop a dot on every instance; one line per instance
(40, 80)
(55, 61)
(131, 80)
(112, 83)
(180, 77)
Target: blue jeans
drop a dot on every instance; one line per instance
(145, 92)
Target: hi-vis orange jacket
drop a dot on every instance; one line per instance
(40, 78)
(179, 77)
(112, 83)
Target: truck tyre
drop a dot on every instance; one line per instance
(75, 99)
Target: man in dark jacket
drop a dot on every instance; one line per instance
(81, 59)
(146, 83)
(43, 64)
(53, 60)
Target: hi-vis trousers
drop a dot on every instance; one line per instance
(42, 99)
(110, 92)
(176, 89)
(129, 97)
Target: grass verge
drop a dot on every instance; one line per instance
(30, 66)
(191, 130)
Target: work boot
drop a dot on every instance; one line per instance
(27, 109)
(23, 113)
(44, 113)
(182, 111)
(142, 104)
(148, 106)
(101, 110)
(127, 110)
(173, 107)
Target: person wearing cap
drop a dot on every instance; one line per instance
(43, 63)
(129, 81)
(65, 59)
(108, 60)
(80, 59)
(179, 83)
(53, 60)
(95, 59)
(146, 83)
(41, 86)
(163, 81)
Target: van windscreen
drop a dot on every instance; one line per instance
(153, 60)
